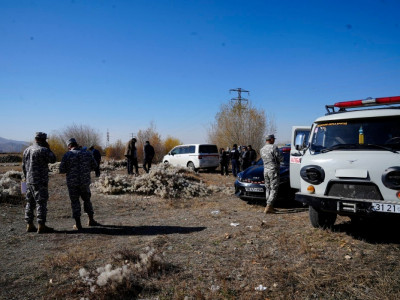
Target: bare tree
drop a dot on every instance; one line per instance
(84, 135)
(240, 124)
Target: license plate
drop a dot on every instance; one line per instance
(390, 208)
(254, 189)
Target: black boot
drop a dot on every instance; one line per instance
(78, 224)
(92, 221)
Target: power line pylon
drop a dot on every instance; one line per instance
(108, 139)
(239, 97)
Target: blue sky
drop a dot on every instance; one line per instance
(120, 65)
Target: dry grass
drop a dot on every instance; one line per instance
(198, 254)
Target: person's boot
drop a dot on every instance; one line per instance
(269, 209)
(30, 227)
(42, 228)
(78, 224)
(92, 221)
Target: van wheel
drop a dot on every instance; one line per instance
(190, 165)
(320, 219)
(166, 162)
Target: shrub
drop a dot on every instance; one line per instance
(10, 187)
(125, 281)
(163, 180)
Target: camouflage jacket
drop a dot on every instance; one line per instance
(78, 164)
(271, 156)
(35, 164)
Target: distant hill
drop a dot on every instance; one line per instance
(7, 146)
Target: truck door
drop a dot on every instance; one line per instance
(299, 141)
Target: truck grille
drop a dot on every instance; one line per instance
(354, 190)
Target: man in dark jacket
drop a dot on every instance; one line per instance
(234, 156)
(131, 156)
(36, 171)
(245, 158)
(148, 153)
(253, 154)
(97, 157)
(78, 164)
(224, 161)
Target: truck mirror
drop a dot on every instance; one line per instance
(299, 141)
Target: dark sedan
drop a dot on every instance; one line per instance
(249, 184)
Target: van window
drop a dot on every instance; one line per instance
(176, 151)
(184, 150)
(208, 149)
(191, 149)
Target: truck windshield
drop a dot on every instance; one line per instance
(360, 134)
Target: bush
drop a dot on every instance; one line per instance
(126, 281)
(10, 187)
(163, 180)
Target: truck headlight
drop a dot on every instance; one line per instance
(391, 178)
(312, 174)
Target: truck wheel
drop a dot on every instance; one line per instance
(321, 219)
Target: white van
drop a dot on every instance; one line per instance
(194, 156)
(349, 163)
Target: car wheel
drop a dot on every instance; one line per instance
(190, 165)
(320, 219)
(166, 162)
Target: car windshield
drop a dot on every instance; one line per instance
(360, 134)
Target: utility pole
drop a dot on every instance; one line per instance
(108, 139)
(239, 97)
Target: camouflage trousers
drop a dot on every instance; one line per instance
(76, 192)
(271, 178)
(37, 196)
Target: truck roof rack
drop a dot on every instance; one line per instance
(342, 106)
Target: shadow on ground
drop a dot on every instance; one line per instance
(374, 231)
(134, 230)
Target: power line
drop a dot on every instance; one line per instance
(239, 97)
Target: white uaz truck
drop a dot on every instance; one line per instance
(348, 162)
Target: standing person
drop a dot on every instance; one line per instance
(131, 156)
(148, 152)
(36, 171)
(77, 165)
(245, 158)
(272, 159)
(223, 161)
(97, 158)
(253, 155)
(234, 156)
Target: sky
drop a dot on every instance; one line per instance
(122, 65)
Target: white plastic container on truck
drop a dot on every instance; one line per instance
(349, 163)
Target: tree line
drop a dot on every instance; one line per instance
(86, 136)
(234, 124)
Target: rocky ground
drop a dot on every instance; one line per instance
(208, 247)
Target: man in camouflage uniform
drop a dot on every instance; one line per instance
(36, 171)
(272, 158)
(77, 164)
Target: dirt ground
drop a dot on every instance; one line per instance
(216, 247)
